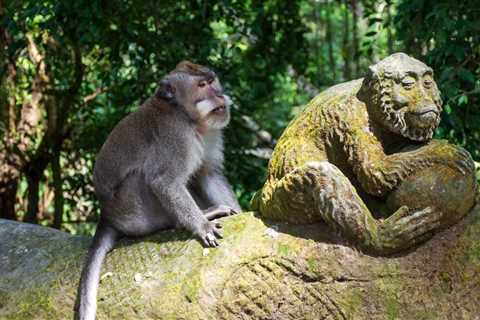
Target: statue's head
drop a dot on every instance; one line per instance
(401, 94)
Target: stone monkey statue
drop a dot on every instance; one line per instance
(161, 167)
(362, 150)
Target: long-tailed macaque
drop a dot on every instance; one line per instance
(161, 167)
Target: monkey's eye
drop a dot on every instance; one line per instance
(202, 83)
(210, 80)
(408, 82)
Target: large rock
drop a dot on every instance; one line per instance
(261, 271)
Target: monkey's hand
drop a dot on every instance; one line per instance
(218, 211)
(209, 232)
(406, 228)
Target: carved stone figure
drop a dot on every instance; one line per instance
(361, 157)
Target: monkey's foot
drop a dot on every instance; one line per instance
(218, 211)
(209, 233)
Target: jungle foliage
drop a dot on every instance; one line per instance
(70, 70)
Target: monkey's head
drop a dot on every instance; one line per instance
(197, 89)
(402, 96)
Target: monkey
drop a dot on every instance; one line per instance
(161, 168)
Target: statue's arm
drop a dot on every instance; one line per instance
(379, 173)
(373, 168)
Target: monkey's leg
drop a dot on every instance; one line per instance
(135, 210)
(215, 190)
(320, 191)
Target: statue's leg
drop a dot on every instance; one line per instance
(320, 191)
(441, 185)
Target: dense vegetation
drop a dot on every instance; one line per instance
(70, 70)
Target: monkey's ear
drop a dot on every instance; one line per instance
(166, 90)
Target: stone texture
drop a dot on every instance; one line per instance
(261, 270)
(361, 158)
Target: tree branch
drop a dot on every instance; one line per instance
(92, 96)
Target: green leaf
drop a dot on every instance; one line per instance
(462, 100)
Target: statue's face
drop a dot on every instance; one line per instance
(415, 97)
(405, 97)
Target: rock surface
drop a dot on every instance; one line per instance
(261, 271)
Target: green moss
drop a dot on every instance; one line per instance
(36, 304)
(351, 302)
(390, 287)
(185, 284)
(312, 264)
(392, 307)
(471, 240)
(191, 288)
(283, 249)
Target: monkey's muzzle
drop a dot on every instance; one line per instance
(219, 110)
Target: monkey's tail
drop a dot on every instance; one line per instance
(103, 242)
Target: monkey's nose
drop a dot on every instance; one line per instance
(219, 100)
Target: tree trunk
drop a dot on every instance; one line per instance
(346, 48)
(58, 190)
(317, 16)
(261, 270)
(329, 40)
(355, 42)
(34, 173)
(8, 193)
(9, 173)
(33, 182)
(389, 26)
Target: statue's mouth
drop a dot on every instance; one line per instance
(426, 111)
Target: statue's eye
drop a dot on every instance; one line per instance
(408, 83)
(427, 82)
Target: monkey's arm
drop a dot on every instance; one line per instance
(215, 190)
(379, 173)
(178, 201)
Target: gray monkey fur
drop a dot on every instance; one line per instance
(155, 172)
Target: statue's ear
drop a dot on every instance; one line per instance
(166, 90)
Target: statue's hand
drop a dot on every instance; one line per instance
(406, 228)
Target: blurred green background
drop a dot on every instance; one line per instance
(70, 70)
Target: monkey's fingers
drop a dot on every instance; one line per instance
(211, 240)
(208, 240)
(218, 233)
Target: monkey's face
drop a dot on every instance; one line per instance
(416, 104)
(210, 103)
(201, 96)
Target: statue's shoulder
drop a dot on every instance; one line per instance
(338, 94)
